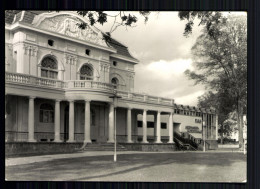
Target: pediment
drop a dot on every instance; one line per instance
(66, 24)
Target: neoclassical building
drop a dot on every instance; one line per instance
(60, 84)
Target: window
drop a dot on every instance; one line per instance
(114, 63)
(46, 113)
(197, 120)
(87, 52)
(163, 126)
(139, 124)
(50, 42)
(114, 81)
(150, 124)
(49, 68)
(86, 72)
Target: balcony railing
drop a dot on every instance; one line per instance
(33, 80)
(84, 84)
(145, 98)
(81, 84)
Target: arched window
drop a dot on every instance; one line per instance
(49, 68)
(114, 81)
(46, 113)
(86, 72)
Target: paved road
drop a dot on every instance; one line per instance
(131, 166)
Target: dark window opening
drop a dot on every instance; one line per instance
(87, 52)
(50, 42)
(114, 81)
(163, 126)
(139, 124)
(46, 113)
(150, 124)
(114, 63)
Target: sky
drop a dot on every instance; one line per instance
(164, 54)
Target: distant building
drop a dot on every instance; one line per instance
(60, 80)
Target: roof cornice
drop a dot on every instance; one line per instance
(135, 61)
(19, 25)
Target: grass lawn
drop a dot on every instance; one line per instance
(151, 167)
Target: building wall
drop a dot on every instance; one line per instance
(16, 120)
(185, 121)
(124, 72)
(19, 60)
(70, 57)
(182, 120)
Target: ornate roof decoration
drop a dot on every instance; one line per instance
(67, 24)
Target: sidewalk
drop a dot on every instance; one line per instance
(41, 158)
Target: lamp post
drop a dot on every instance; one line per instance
(203, 132)
(115, 101)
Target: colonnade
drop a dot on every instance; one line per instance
(111, 128)
(158, 127)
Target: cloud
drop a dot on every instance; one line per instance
(166, 79)
(164, 54)
(166, 69)
(190, 99)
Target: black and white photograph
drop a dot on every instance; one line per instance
(126, 96)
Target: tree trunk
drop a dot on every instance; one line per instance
(221, 134)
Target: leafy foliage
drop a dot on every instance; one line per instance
(209, 19)
(120, 19)
(220, 59)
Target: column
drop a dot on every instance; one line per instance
(170, 128)
(87, 122)
(145, 127)
(212, 128)
(111, 124)
(129, 125)
(31, 120)
(57, 122)
(204, 126)
(71, 121)
(158, 128)
(216, 126)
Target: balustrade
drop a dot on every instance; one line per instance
(83, 84)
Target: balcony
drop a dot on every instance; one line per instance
(88, 85)
(25, 79)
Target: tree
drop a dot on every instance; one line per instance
(210, 19)
(221, 63)
(120, 19)
(224, 106)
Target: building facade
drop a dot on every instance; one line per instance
(60, 85)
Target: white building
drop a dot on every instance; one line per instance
(59, 83)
